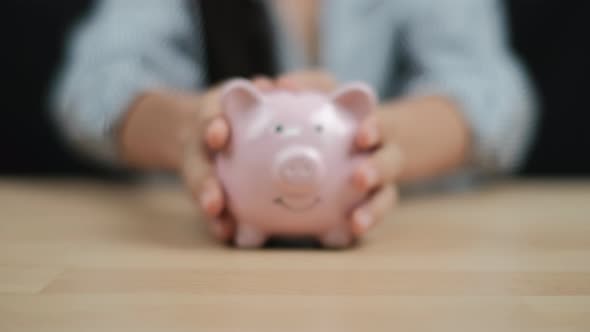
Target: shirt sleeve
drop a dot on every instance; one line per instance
(120, 50)
(459, 48)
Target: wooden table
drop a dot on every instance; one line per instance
(80, 256)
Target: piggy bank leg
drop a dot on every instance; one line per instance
(338, 237)
(248, 236)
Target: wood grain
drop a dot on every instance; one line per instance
(84, 256)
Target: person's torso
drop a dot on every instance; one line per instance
(354, 40)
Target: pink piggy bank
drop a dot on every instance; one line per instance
(287, 171)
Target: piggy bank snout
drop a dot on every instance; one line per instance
(298, 170)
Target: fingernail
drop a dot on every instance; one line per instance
(370, 175)
(363, 219)
(207, 199)
(217, 126)
(215, 133)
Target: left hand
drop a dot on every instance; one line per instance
(377, 176)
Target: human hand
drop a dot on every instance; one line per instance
(209, 134)
(377, 176)
(307, 79)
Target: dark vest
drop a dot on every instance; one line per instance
(238, 39)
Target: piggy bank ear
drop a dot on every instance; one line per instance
(239, 96)
(356, 98)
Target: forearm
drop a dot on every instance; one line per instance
(432, 134)
(151, 135)
(109, 64)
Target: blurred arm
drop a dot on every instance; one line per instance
(459, 52)
(124, 49)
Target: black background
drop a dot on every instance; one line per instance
(551, 36)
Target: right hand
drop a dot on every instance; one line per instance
(209, 134)
(181, 131)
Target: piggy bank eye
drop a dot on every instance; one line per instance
(279, 129)
(319, 128)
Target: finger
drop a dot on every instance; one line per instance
(222, 228)
(212, 128)
(211, 131)
(210, 198)
(217, 134)
(383, 167)
(204, 188)
(263, 83)
(314, 80)
(374, 211)
(289, 83)
(205, 191)
(368, 135)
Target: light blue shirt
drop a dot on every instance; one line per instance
(458, 48)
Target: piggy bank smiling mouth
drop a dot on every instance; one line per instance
(297, 204)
